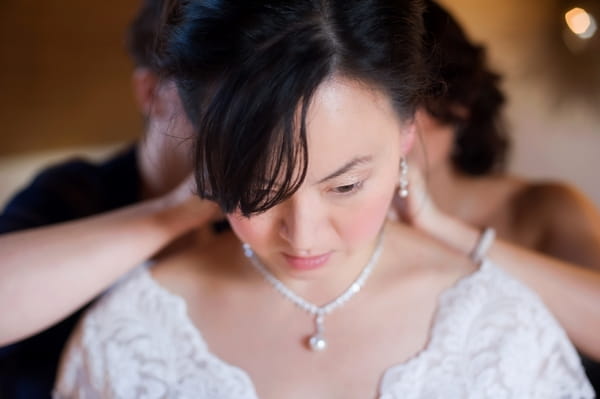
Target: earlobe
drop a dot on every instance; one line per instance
(408, 137)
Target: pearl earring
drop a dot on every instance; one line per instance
(403, 192)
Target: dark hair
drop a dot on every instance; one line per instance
(247, 70)
(462, 80)
(143, 32)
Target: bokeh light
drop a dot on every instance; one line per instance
(581, 22)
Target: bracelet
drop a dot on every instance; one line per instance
(483, 245)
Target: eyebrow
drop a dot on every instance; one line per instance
(347, 167)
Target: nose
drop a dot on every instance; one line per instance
(302, 222)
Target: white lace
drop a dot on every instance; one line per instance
(492, 338)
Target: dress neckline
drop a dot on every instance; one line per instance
(385, 383)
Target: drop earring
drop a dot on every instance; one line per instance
(403, 191)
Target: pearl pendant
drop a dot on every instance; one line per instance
(317, 343)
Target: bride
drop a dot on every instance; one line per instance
(304, 116)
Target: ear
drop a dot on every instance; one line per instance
(145, 83)
(408, 136)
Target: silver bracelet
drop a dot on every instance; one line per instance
(484, 243)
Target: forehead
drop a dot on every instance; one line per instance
(348, 119)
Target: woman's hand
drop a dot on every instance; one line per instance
(73, 262)
(184, 210)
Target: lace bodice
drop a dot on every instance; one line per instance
(491, 338)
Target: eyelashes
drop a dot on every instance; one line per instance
(341, 190)
(348, 189)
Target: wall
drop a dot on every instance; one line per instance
(64, 74)
(556, 133)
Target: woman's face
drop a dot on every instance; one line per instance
(355, 142)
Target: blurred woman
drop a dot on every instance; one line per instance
(464, 157)
(466, 148)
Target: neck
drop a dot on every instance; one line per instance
(479, 201)
(454, 193)
(159, 166)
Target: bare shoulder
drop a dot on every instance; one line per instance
(550, 200)
(568, 223)
(552, 192)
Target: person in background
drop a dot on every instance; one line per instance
(135, 190)
(465, 152)
(58, 233)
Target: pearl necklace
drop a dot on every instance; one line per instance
(317, 341)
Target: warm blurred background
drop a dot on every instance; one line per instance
(65, 83)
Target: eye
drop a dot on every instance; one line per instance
(347, 188)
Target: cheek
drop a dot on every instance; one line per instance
(363, 223)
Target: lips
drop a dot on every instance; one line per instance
(307, 262)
